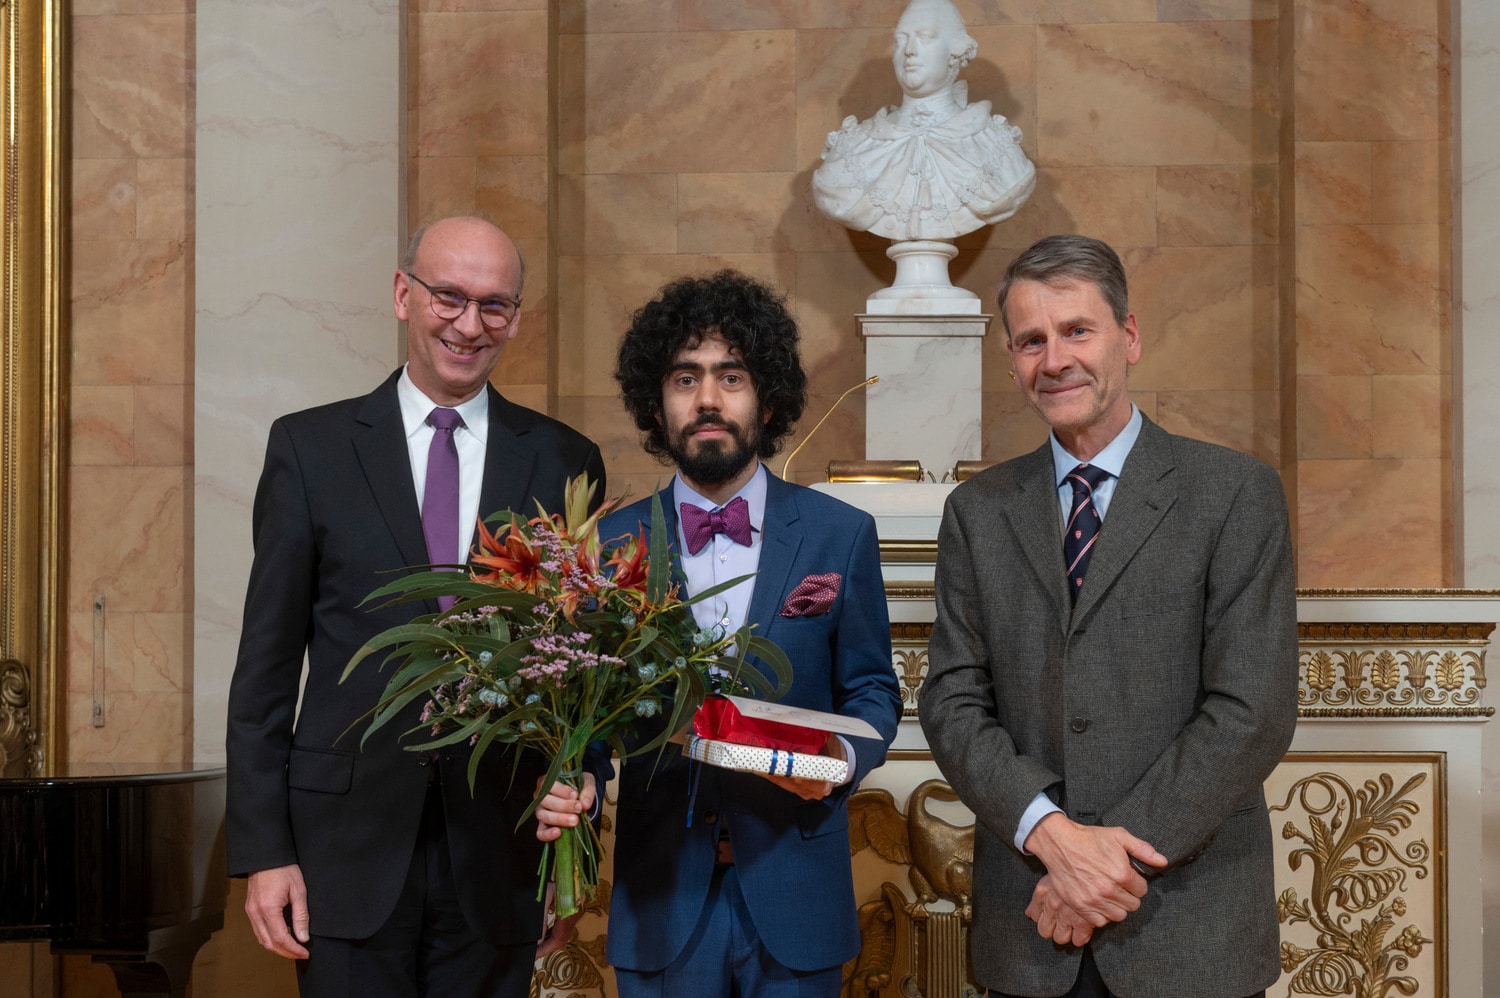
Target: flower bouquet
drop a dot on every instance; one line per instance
(558, 640)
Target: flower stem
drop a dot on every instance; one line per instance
(565, 870)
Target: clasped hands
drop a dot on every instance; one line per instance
(1090, 881)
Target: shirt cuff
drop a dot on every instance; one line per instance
(1041, 805)
(848, 757)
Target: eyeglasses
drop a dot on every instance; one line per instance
(494, 313)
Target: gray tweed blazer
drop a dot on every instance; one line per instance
(1159, 703)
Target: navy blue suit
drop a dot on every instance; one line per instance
(791, 855)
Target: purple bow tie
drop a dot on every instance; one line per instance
(699, 525)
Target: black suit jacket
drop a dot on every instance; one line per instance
(335, 512)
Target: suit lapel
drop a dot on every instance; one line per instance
(1141, 498)
(1034, 514)
(780, 538)
(509, 464)
(380, 444)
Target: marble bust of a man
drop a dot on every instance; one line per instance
(935, 167)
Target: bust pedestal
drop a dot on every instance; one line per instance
(926, 405)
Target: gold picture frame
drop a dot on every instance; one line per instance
(33, 383)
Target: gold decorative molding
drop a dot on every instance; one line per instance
(917, 590)
(33, 359)
(908, 552)
(1399, 669)
(1359, 851)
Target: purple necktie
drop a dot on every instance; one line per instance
(700, 525)
(1083, 524)
(440, 495)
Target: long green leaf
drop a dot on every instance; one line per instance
(658, 565)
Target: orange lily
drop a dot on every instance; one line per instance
(513, 563)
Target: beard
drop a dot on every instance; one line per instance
(713, 462)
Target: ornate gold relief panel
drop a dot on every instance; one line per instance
(1361, 877)
(32, 380)
(1393, 670)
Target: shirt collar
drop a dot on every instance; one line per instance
(1111, 458)
(753, 491)
(416, 407)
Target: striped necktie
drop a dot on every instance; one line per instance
(1083, 524)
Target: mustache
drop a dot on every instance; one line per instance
(712, 419)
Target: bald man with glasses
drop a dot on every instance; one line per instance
(375, 868)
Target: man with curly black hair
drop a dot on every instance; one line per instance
(727, 882)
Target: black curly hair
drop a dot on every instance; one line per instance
(750, 315)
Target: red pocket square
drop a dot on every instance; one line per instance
(813, 595)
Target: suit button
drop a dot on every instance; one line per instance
(710, 817)
(1080, 724)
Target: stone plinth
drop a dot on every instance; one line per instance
(927, 402)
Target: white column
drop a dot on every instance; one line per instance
(299, 224)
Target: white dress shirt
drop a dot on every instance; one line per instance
(470, 439)
(1111, 459)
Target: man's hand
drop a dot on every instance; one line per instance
(556, 932)
(1054, 919)
(1089, 870)
(267, 896)
(562, 808)
(805, 788)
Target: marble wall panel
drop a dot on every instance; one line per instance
(140, 727)
(89, 8)
(1113, 203)
(467, 68)
(611, 213)
(1333, 183)
(1372, 299)
(1011, 426)
(298, 227)
(138, 560)
(1373, 72)
(1217, 10)
(1215, 331)
(130, 312)
(1412, 416)
(1341, 505)
(1477, 394)
(131, 93)
(1216, 205)
(101, 425)
(1334, 417)
(744, 213)
(598, 17)
(830, 290)
(1248, 421)
(440, 186)
(474, 5)
(636, 104)
(512, 191)
(746, 15)
(104, 197)
(1411, 181)
(163, 425)
(163, 192)
(1146, 94)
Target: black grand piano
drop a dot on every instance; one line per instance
(118, 862)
